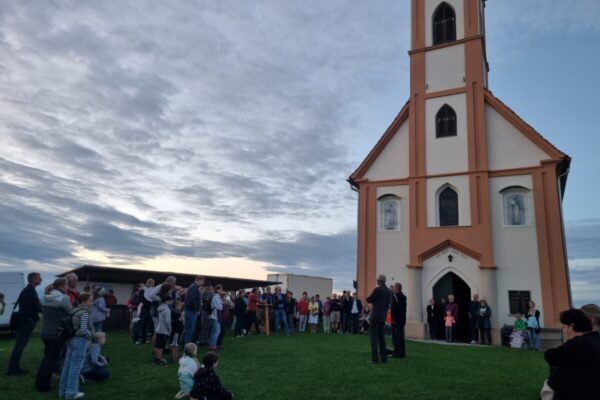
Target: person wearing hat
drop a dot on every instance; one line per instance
(99, 310)
(593, 311)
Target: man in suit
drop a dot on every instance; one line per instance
(355, 310)
(380, 300)
(398, 321)
(29, 307)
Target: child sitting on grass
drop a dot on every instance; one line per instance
(207, 385)
(188, 365)
(95, 364)
(163, 329)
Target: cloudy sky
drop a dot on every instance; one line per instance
(217, 136)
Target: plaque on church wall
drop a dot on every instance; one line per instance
(519, 301)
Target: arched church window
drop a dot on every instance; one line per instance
(389, 212)
(448, 207)
(444, 24)
(515, 206)
(445, 122)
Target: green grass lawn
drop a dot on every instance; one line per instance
(307, 367)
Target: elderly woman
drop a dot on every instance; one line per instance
(575, 365)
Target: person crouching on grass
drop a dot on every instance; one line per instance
(95, 367)
(207, 385)
(163, 329)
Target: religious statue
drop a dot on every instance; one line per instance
(515, 210)
(390, 221)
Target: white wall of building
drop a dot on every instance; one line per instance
(515, 249)
(431, 5)
(460, 183)
(392, 163)
(445, 68)
(434, 268)
(446, 154)
(303, 283)
(392, 252)
(507, 147)
(122, 290)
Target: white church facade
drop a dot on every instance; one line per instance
(460, 195)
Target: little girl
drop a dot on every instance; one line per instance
(313, 317)
(207, 385)
(188, 365)
(448, 322)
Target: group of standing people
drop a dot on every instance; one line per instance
(71, 345)
(443, 317)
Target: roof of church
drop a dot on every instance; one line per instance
(494, 102)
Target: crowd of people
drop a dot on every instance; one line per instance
(174, 318)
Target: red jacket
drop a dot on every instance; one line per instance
(302, 307)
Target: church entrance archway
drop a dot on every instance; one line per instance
(451, 283)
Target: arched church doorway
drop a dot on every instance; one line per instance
(453, 284)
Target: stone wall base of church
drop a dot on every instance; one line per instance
(415, 330)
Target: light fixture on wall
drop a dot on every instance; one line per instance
(450, 257)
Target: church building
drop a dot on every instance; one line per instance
(460, 195)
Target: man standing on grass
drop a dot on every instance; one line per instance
(380, 300)
(398, 321)
(29, 307)
(191, 308)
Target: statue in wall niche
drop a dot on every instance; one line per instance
(390, 220)
(516, 210)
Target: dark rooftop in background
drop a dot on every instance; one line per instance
(95, 273)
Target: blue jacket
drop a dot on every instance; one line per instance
(192, 299)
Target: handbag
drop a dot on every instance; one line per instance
(15, 316)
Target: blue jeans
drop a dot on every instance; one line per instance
(536, 343)
(281, 319)
(190, 325)
(214, 334)
(98, 326)
(69, 379)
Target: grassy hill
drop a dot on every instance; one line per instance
(307, 367)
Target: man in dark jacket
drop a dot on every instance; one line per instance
(380, 300)
(191, 307)
(29, 309)
(474, 318)
(398, 321)
(354, 314)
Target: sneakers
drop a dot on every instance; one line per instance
(473, 342)
(82, 378)
(79, 395)
(160, 362)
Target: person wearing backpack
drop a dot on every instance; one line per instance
(76, 348)
(56, 306)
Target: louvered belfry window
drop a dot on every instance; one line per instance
(445, 122)
(444, 24)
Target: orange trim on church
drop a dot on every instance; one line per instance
(475, 240)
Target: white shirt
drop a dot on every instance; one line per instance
(354, 307)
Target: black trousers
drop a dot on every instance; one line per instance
(474, 331)
(398, 340)
(24, 329)
(240, 320)
(251, 320)
(49, 365)
(377, 337)
(433, 330)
